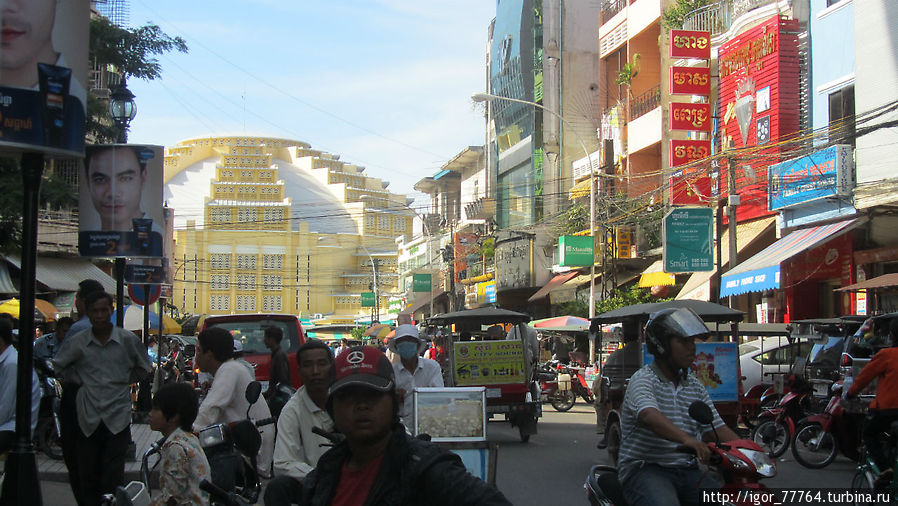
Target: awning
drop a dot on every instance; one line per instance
(579, 190)
(884, 281)
(64, 274)
(762, 271)
(620, 278)
(553, 284)
(6, 284)
(421, 302)
(654, 275)
(698, 286)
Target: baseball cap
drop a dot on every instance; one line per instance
(362, 365)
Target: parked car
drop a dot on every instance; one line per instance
(777, 354)
(249, 329)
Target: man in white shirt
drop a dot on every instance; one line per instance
(226, 400)
(412, 370)
(297, 449)
(9, 359)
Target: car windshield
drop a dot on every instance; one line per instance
(827, 351)
(251, 333)
(747, 348)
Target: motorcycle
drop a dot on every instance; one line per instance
(47, 432)
(232, 449)
(776, 427)
(741, 464)
(563, 385)
(818, 438)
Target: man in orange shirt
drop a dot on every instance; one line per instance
(884, 407)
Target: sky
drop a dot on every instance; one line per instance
(385, 84)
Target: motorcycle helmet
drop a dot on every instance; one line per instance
(668, 323)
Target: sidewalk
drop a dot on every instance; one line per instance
(55, 470)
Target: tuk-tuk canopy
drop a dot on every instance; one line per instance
(479, 316)
(707, 311)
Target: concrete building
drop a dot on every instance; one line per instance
(271, 225)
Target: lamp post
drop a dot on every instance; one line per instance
(427, 242)
(487, 97)
(122, 110)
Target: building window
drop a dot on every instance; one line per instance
(219, 303)
(274, 215)
(221, 282)
(245, 215)
(246, 303)
(841, 116)
(370, 221)
(272, 304)
(220, 260)
(272, 261)
(246, 282)
(399, 223)
(272, 282)
(383, 222)
(246, 262)
(220, 214)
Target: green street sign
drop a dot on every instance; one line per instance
(421, 282)
(689, 240)
(367, 299)
(574, 250)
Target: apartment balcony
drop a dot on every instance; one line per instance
(645, 103)
(612, 7)
(645, 126)
(718, 17)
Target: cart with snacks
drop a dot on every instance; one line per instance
(495, 349)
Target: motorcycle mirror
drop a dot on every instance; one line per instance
(700, 412)
(253, 391)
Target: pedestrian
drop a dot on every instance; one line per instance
(279, 372)
(9, 359)
(412, 371)
(297, 449)
(46, 346)
(183, 462)
(106, 359)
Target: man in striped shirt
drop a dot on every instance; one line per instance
(656, 417)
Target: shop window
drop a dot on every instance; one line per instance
(841, 116)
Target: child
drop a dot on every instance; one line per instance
(184, 464)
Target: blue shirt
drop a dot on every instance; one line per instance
(46, 346)
(9, 360)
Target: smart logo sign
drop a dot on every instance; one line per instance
(575, 250)
(758, 103)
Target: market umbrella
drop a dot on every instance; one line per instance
(378, 331)
(13, 306)
(561, 321)
(134, 320)
(49, 310)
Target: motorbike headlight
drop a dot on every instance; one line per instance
(212, 435)
(763, 465)
(737, 463)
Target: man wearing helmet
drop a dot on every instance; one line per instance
(655, 419)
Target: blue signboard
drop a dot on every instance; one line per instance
(716, 365)
(756, 280)
(816, 176)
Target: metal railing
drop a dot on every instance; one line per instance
(645, 102)
(719, 17)
(612, 7)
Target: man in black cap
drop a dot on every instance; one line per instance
(379, 463)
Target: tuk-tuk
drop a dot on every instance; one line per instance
(502, 362)
(831, 338)
(717, 362)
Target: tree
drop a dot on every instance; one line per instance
(673, 17)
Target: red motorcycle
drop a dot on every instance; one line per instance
(818, 438)
(776, 427)
(741, 464)
(562, 385)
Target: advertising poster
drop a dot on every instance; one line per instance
(489, 362)
(716, 366)
(43, 76)
(120, 202)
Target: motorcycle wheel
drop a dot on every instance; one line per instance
(50, 442)
(814, 447)
(563, 400)
(772, 436)
(861, 482)
(613, 437)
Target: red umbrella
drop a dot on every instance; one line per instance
(561, 321)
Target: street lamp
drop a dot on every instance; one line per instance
(487, 97)
(122, 109)
(405, 205)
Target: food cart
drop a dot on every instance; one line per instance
(716, 362)
(503, 365)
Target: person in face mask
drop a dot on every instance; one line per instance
(412, 370)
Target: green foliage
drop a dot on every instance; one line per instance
(358, 333)
(131, 51)
(488, 248)
(673, 17)
(576, 307)
(622, 298)
(628, 71)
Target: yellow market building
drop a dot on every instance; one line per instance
(270, 225)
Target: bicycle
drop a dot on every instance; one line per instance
(868, 472)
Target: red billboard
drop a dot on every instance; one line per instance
(683, 152)
(758, 105)
(690, 81)
(690, 189)
(684, 116)
(690, 44)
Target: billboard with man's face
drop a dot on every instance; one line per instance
(43, 75)
(120, 203)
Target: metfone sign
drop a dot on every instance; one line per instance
(421, 282)
(688, 240)
(574, 251)
(690, 44)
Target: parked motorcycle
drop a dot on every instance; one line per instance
(741, 465)
(232, 449)
(561, 385)
(47, 433)
(776, 427)
(818, 438)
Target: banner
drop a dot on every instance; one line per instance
(687, 116)
(489, 362)
(683, 152)
(690, 81)
(690, 44)
(716, 366)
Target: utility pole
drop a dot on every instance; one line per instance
(733, 201)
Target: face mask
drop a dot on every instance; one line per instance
(407, 349)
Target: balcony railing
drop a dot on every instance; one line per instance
(612, 7)
(718, 17)
(645, 102)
